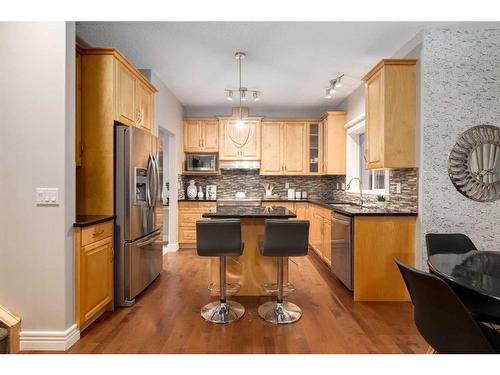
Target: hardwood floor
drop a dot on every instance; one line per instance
(166, 318)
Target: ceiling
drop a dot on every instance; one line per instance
(290, 62)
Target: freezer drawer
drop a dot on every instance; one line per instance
(143, 263)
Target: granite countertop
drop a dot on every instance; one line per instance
(342, 207)
(249, 212)
(86, 220)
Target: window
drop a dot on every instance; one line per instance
(374, 181)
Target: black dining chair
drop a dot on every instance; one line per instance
(482, 308)
(445, 243)
(442, 319)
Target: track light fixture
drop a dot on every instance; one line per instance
(334, 83)
(241, 89)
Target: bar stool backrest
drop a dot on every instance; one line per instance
(440, 316)
(218, 237)
(445, 243)
(287, 238)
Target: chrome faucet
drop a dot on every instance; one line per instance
(361, 200)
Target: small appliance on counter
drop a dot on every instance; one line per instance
(291, 194)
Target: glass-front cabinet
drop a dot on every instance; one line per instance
(314, 152)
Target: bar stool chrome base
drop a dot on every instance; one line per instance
(280, 313)
(222, 312)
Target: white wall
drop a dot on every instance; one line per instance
(169, 113)
(262, 110)
(37, 150)
(354, 104)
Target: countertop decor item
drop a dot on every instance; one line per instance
(211, 193)
(381, 199)
(474, 163)
(191, 190)
(200, 193)
(268, 188)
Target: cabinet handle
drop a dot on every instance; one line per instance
(96, 234)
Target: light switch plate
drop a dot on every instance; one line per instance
(398, 188)
(287, 185)
(47, 196)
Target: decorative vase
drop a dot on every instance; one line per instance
(380, 204)
(191, 190)
(200, 193)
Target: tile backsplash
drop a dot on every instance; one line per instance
(317, 187)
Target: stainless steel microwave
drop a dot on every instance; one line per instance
(201, 162)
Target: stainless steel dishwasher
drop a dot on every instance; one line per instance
(342, 248)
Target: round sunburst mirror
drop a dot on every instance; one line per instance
(474, 163)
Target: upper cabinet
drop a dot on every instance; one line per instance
(390, 94)
(334, 140)
(239, 141)
(134, 97)
(201, 135)
(284, 148)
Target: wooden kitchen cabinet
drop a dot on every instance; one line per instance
(320, 228)
(284, 148)
(125, 108)
(201, 135)
(144, 115)
(94, 257)
(189, 212)
(272, 148)
(314, 162)
(334, 143)
(78, 108)
(112, 90)
(239, 143)
(390, 106)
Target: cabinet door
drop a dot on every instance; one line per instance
(192, 136)
(239, 142)
(251, 151)
(317, 232)
(144, 110)
(78, 110)
(374, 122)
(210, 139)
(327, 241)
(125, 96)
(314, 161)
(272, 149)
(295, 148)
(301, 211)
(96, 277)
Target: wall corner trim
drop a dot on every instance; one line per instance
(49, 340)
(354, 121)
(171, 248)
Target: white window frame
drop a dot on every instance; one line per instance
(354, 129)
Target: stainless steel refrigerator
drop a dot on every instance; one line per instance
(138, 206)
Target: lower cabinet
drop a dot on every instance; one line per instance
(320, 232)
(189, 213)
(94, 257)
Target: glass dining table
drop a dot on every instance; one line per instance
(478, 271)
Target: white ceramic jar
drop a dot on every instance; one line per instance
(191, 190)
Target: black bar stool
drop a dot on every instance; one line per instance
(283, 238)
(220, 238)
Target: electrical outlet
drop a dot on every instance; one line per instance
(287, 185)
(47, 196)
(398, 187)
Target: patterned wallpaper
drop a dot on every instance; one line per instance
(461, 89)
(317, 187)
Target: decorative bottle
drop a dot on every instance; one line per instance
(200, 193)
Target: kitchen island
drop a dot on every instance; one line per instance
(251, 270)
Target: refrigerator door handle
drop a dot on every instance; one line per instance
(158, 187)
(149, 170)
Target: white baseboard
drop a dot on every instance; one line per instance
(171, 248)
(49, 340)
